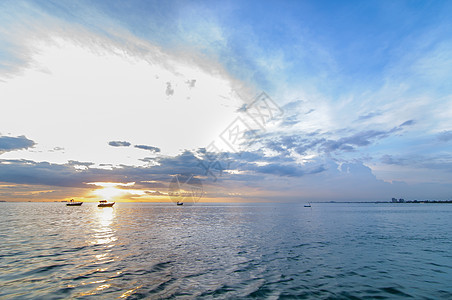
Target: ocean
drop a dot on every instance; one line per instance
(226, 251)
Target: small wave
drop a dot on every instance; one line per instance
(13, 254)
(76, 249)
(261, 292)
(218, 291)
(43, 269)
(395, 291)
(161, 266)
(162, 286)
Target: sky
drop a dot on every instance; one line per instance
(225, 101)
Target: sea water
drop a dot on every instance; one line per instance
(264, 251)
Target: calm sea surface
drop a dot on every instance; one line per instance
(273, 251)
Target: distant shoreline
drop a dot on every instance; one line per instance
(378, 202)
(312, 202)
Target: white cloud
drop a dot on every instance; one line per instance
(84, 90)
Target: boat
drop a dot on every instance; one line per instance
(104, 203)
(73, 203)
(179, 203)
(307, 205)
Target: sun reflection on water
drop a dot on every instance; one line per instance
(103, 238)
(105, 215)
(130, 292)
(104, 232)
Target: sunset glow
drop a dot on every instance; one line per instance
(292, 109)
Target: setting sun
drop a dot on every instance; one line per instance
(116, 191)
(108, 193)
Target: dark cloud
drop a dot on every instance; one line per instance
(280, 170)
(68, 175)
(119, 144)
(390, 160)
(408, 123)
(292, 113)
(169, 89)
(276, 146)
(258, 163)
(433, 162)
(191, 83)
(150, 148)
(148, 159)
(184, 163)
(79, 163)
(8, 143)
(290, 121)
(307, 145)
(318, 142)
(445, 136)
(360, 139)
(42, 173)
(369, 116)
(289, 170)
(292, 105)
(320, 177)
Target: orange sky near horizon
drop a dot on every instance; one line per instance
(111, 191)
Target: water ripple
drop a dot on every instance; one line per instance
(135, 251)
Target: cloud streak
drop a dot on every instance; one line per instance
(119, 144)
(150, 148)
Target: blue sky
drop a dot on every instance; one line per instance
(133, 93)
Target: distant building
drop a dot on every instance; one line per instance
(394, 200)
(401, 200)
